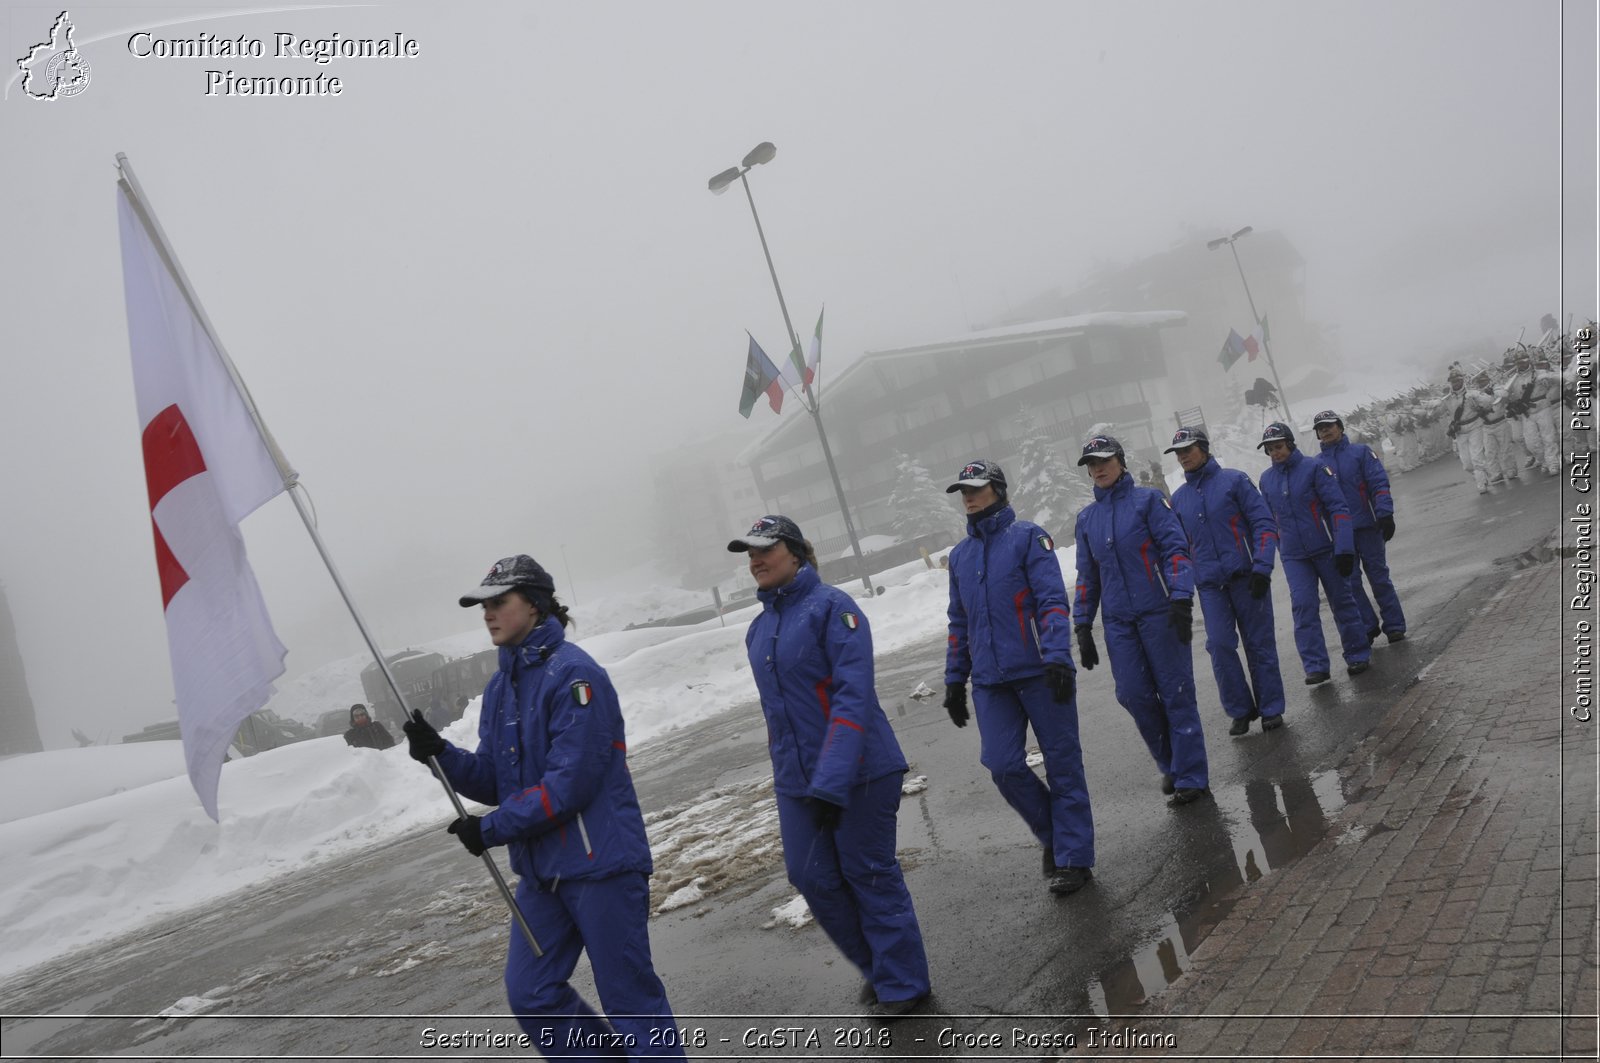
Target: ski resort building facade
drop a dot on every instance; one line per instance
(974, 395)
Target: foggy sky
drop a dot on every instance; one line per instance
(475, 295)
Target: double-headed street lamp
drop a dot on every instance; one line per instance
(763, 153)
(1212, 245)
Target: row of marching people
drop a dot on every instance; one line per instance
(1500, 431)
(1140, 564)
(551, 751)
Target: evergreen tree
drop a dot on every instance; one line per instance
(1050, 489)
(920, 506)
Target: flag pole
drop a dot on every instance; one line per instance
(813, 404)
(1266, 343)
(291, 480)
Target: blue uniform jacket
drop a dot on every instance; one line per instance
(1231, 531)
(1363, 479)
(811, 652)
(1308, 503)
(552, 755)
(1008, 603)
(1133, 558)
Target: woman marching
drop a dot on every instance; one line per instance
(836, 767)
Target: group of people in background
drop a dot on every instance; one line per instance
(1503, 419)
(551, 751)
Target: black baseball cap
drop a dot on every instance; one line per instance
(1101, 447)
(1184, 438)
(768, 531)
(978, 473)
(509, 572)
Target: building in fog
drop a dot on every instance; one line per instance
(947, 402)
(19, 730)
(1205, 286)
(704, 496)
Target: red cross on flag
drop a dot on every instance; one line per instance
(207, 467)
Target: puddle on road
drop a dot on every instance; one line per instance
(1256, 830)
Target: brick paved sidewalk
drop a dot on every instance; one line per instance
(1430, 922)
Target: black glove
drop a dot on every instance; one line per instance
(1345, 563)
(470, 830)
(1259, 585)
(1088, 656)
(1180, 617)
(421, 738)
(955, 703)
(1060, 680)
(824, 813)
(1386, 527)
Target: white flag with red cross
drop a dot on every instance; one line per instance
(207, 468)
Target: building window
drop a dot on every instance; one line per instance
(1103, 350)
(927, 411)
(877, 428)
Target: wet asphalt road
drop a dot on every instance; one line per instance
(360, 958)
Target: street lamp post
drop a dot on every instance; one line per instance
(1212, 245)
(763, 153)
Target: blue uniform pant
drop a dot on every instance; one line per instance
(1374, 561)
(1230, 612)
(1303, 575)
(1059, 814)
(1154, 675)
(851, 880)
(609, 917)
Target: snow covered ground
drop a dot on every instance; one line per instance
(103, 839)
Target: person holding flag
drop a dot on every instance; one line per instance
(552, 756)
(836, 766)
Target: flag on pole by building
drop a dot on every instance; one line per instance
(1232, 349)
(794, 373)
(207, 468)
(798, 370)
(1262, 336)
(1252, 346)
(815, 360)
(760, 375)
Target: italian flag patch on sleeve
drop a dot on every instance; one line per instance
(582, 692)
(1048, 543)
(850, 620)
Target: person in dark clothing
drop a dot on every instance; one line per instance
(365, 732)
(1011, 634)
(1134, 570)
(1233, 539)
(551, 757)
(836, 766)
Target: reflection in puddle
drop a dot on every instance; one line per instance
(1260, 831)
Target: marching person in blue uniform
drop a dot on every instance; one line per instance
(1316, 544)
(836, 766)
(1365, 483)
(1011, 633)
(1232, 541)
(1134, 568)
(552, 757)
